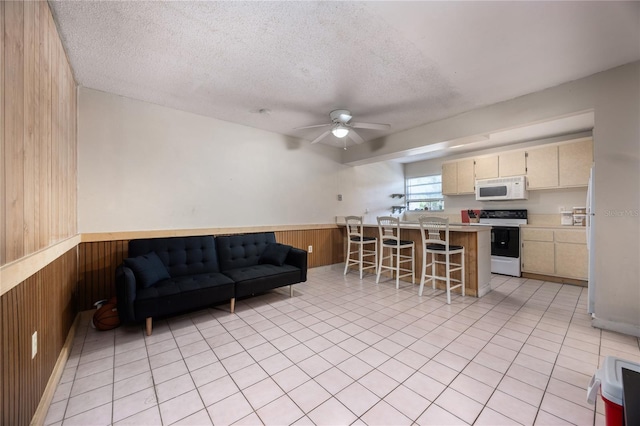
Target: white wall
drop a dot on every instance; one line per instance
(145, 167)
(366, 190)
(617, 199)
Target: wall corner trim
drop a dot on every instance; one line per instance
(18, 271)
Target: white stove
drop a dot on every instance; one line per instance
(505, 239)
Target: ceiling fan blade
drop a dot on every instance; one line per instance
(356, 137)
(311, 127)
(373, 126)
(319, 138)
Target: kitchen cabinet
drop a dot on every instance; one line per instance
(572, 260)
(538, 251)
(449, 178)
(486, 167)
(574, 162)
(512, 164)
(542, 167)
(556, 252)
(538, 257)
(458, 177)
(553, 166)
(466, 177)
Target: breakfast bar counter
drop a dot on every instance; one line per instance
(476, 240)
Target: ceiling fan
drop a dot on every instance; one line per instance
(342, 126)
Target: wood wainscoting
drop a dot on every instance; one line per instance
(45, 302)
(38, 197)
(98, 260)
(38, 140)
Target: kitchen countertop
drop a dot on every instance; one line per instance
(456, 227)
(554, 227)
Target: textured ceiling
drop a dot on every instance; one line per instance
(401, 63)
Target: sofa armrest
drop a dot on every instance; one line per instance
(125, 294)
(298, 258)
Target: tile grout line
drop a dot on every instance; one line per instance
(395, 304)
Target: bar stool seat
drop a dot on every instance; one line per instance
(434, 246)
(443, 248)
(389, 229)
(366, 247)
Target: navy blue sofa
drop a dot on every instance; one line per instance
(167, 276)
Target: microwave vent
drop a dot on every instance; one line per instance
(514, 179)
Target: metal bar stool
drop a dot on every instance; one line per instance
(389, 228)
(355, 237)
(434, 245)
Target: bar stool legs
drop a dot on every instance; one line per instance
(389, 229)
(436, 247)
(356, 238)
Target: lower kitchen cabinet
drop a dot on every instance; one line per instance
(538, 257)
(556, 252)
(571, 260)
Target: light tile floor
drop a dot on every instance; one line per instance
(344, 351)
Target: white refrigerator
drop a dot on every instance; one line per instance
(591, 220)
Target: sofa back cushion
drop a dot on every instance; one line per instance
(274, 254)
(240, 251)
(180, 255)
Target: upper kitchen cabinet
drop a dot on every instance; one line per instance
(557, 165)
(486, 167)
(512, 164)
(449, 178)
(575, 160)
(466, 177)
(458, 177)
(542, 167)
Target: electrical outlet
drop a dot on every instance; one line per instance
(34, 344)
(310, 250)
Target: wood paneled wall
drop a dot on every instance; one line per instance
(97, 263)
(45, 303)
(38, 180)
(98, 260)
(37, 133)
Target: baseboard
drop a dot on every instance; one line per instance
(54, 378)
(618, 327)
(331, 267)
(554, 279)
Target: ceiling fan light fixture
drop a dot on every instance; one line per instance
(340, 131)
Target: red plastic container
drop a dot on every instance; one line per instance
(609, 380)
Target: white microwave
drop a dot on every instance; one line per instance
(508, 188)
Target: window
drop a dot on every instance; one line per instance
(425, 193)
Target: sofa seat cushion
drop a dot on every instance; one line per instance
(185, 284)
(260, 278)
(182, 294)
(258, 271)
